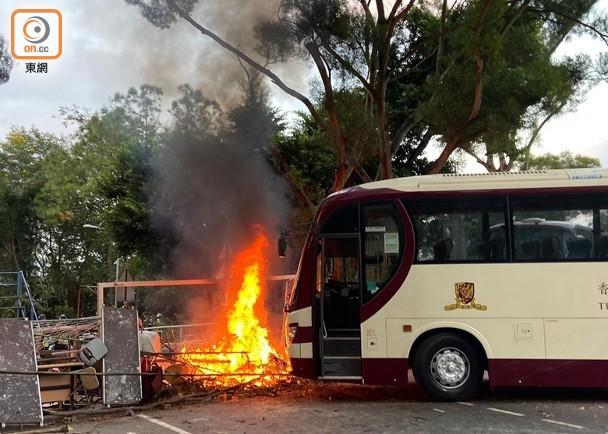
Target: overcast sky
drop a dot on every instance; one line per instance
(109, 47)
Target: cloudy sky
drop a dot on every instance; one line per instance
(109, 47)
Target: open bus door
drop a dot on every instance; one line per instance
(340, 331)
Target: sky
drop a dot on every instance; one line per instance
(108, 47)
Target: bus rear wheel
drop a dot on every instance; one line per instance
(448, 367)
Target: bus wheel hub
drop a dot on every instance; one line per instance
(450, 367)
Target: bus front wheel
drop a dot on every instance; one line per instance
(448, 367)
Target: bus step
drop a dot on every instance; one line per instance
(342, 378)
(342, 347)
(344, 333)
(335, 366)
(342, 358)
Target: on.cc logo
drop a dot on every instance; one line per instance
(36, 30)
(36, 34)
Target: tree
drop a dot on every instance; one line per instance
(564, 160)
(304, 158)
(462, 55)
(45, 203)
(506, 79)
(323, 30)
(51, 189)
(6, 62)
(131, 131)
(22, 155)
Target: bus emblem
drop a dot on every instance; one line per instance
(465, 297)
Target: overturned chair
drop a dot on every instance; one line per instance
(87, 383)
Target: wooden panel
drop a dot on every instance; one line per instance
(55, 388)
(121, 336)
(19, 394)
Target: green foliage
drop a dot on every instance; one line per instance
(497, 75)
(53, 191)
(392, 79)
(22, 155)
(564, 160)
(308, 160)
(6, 62)
(131, 130)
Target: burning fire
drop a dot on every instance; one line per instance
(244, 350)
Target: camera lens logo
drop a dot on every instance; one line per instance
(36, 30)
(36, 34)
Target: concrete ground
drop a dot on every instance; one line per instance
(360, 409)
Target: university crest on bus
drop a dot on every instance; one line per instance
(465, 297)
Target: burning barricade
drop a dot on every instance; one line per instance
(243, 351)
(235, 351)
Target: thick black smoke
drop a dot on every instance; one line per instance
(215, 185)
(215, 190)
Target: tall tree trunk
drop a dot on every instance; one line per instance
(331, 108)
(386, 166)
(14, 257)
(13, 244)
(340, 144)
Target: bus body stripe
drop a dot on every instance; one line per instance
(303, 335)
(385, 371)
(548, 373)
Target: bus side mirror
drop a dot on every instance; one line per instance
(282, 244)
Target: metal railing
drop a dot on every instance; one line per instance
(18, 297)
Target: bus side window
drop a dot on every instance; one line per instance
(562, 228)
(382, 245)
(463, 230)
(601, 235)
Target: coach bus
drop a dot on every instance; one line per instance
(453, 276)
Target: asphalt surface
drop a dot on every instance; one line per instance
(360, 409)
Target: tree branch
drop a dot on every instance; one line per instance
(603, 36)
(404, 12)
(256, 65)
(394, 9)
(361, 172)
(349, 67)
(368, 13)
(478, 93)
(419, 149)
(485, 164)
(296, 186)
(516, 16)
(479, 68)
(381, 12)
(403, 131)
(440, 44)
(536, 132)
(313, 49)
(413, 68)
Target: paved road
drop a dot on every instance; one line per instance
(354, 409)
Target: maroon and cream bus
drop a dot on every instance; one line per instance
(455, 275)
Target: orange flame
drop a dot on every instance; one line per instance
(244, 350)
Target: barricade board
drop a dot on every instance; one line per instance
(121, 336)
(19, 394)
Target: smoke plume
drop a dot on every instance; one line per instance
(214, 187)
(169, 55)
